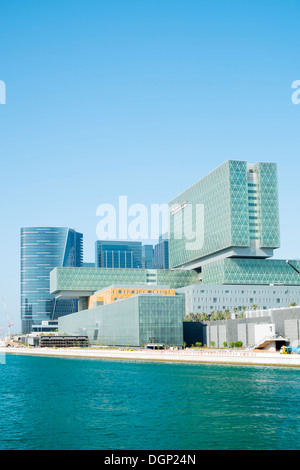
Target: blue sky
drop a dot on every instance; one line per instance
(139, 98)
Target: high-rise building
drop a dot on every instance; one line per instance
(118, 254)
(43, 249)
(148, 254)
(230, 213)
(161, 253)
(226, 227)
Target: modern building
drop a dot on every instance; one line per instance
(46, 326)
(118, 254)
(84, 282)
(233, 212)
(161, 253)
(147, 256)
(209, 299)
(42, 249)
(257, 271)
(258, 328)
(133, 321)
(118, 292)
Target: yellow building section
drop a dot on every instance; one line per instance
(112, 294)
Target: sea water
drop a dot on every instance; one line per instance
(73, 404)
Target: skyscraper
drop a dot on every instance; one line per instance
(230, 213)
(148, 253)
(43, 249)
(161, 253)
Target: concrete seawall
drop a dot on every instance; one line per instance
(187, 356)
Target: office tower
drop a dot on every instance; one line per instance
(148, 254)
(118, 254)
(161, 253)
(43, 249)
(230, 213)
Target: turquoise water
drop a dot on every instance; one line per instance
(58, 403)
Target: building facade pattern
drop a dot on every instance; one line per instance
(42, 249)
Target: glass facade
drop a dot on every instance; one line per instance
(42, 249)
(64, 280)
(148, 253)
(161, 254)
(269, 205)
(118, 254)
(250, 271)
(160, 319)
(134, 321)
(234, 210)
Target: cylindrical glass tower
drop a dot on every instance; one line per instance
(43, 249)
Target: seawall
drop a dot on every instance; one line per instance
(188, 356)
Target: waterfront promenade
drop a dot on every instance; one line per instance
(242, 357)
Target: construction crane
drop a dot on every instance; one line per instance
(9, 320)
(295, 269)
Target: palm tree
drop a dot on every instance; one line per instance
(227, 313)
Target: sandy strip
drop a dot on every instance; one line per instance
(192, 356)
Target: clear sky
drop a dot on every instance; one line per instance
(139, 98)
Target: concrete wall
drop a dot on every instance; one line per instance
(287, 321)
(283, 321)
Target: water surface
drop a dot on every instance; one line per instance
(65, 403)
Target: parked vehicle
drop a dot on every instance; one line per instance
(290, 350)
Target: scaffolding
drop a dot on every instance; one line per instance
(63, 341)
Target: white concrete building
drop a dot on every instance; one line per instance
(204, 298)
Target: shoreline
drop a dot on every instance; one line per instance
(183, 356)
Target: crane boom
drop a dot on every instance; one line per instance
(9, 321)
(295, 269)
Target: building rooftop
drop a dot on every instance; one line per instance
(132, 286)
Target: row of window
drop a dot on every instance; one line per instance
(251, 300)
(243, 292)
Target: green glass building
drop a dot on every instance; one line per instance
(233, 212)
(135, 321)
(82, 282)
(226, 227)
(237, 271)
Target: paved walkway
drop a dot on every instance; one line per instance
(188, 355)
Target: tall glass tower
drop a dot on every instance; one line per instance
(161, 253)
(233, 212)
(43, 249)
(118, 254)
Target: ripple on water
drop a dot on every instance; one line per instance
(58, 403)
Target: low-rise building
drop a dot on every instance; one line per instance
(204, 298)
(280, 326)
(133, 321)
(120, 291)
